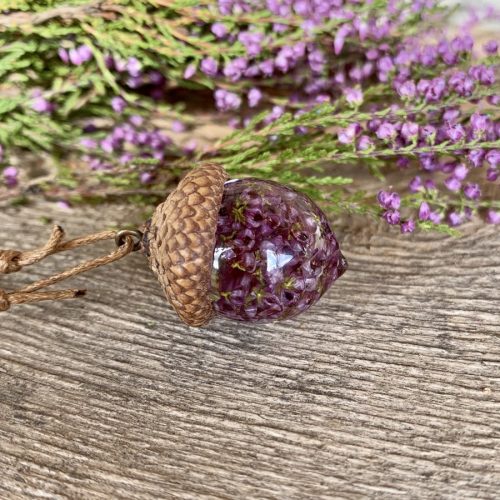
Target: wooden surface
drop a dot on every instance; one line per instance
(386, 389)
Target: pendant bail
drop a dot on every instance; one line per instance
(121, 238)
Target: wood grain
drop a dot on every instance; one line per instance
(386, 389)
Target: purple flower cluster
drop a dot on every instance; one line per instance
(455, 169)
(126, 142)
(275, 254)
(10, 176)
(320, 71)
(399, 98)
(391, 203)
(76, 56)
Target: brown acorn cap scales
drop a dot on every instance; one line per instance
(181, 241)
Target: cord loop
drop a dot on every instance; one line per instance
(13, 260)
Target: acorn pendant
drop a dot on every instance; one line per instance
(251, 250)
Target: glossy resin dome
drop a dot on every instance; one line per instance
(275, 253)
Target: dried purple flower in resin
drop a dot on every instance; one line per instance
(275, 254)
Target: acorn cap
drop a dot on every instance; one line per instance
(181, 242)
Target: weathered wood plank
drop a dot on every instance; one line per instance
(388, 388)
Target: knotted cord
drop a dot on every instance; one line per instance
(14, 260)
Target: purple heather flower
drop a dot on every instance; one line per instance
(226, 101)
(136, 120)
(190, 147)
(145, 177)
(386, 131)
(428, 162)
(85, 53)
(408, 226)
(299, 50)
(254, 97)
(423, 86)
(209, 66)
(321, 98)
(407, 89)
(354, 96)
(493, 217)
(79, 55)
(424, 211)
(284, 59)
(63, 55)
(118, 104)
(430, 185)
(234, 122)
(367, 70)
(476, 157)
(356, 73)
(219, 30)
(42, 105)
(108, 144)
(472, 191)
(88, 143)
(453, 184)
(348, 134)
(276, 113)
(409, 131)
(403, 162)
(10, 175)
(267, 67)
(463, 43)
(234, 69)
(451, 115)
(342, 33)
(385, 64)
(448, 167)
(461, 83)
(428, 56)
(491, 47)
(365, 143)
(74, 57)
(436, 90)
(63, 205)
(373, 124)
(492, 174)
(189, 71)
(428, 132)
(316, 60)
(487, 76)
(252, 71)
(460, 171)
(415, 185)
(389, 200)
(455, 219)
(493, 157)
(455, 132)
(252, 42)
(339, 78)
(435, 217)
(177, 126)
(392, 217)
(156, 78)
(125, 158)
(480, 124)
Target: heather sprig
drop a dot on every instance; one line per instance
(318, 92)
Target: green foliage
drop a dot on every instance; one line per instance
(156, 33)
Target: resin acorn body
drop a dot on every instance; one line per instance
(250, 249)
(275, 254)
